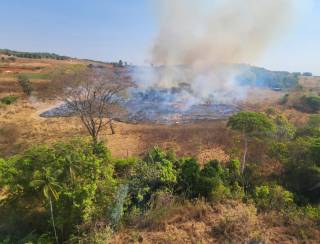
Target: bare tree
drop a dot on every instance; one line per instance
(94, 97)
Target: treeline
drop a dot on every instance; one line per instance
(78, 193)
(34, 55)
(251, 75)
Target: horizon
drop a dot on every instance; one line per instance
(126, 30)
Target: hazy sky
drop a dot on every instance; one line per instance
(110, 30)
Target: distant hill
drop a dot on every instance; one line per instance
(35, 55)
(251, 75)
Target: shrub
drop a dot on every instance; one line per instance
(212, 182)
(25, 84)
(124, 167)
(188, 177)
(284, 99)
(309, 104)
(157, 172)
(69, 177)
(284, 129)
(239, 227)
(8, 99)
(272, 197)
(302, 169)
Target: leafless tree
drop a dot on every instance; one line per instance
(94, 96)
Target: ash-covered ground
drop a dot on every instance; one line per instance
(182, 102)
(163, 106)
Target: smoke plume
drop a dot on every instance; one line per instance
(198, 39)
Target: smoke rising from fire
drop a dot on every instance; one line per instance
(198, 39)
(203, 33)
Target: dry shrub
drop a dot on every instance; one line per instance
(294, 224)
(166, 210)
(239, 226)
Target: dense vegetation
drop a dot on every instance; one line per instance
(251, 75)
(308, 103)
(35, 55)
(78, 193)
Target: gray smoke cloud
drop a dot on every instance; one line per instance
(198, 39)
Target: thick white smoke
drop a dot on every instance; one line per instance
(199, 38)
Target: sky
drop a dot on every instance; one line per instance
(109, 30)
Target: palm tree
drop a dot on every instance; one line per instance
(49, 188)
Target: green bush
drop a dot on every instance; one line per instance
(124, 167)
(8, 99)
(157, 172)
(284, 99)
(188, 177)
(308, 103)
(212, 182)
(302, 169)
(272, 197)
(25, 84)
(69, 177)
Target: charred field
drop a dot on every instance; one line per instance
(162, 116)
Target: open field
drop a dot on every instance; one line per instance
(21, 125)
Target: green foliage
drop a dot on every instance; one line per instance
(251, 123)
(284, 130)
(312, 129)
(302, 168)
(314, 120)
(35, 55)
(8, 99)
(284, 99)
(25, 84)
(272, 197)
(156, 173)
(78, 182)
(124, 167)
(313, 212)
(212, 181)
(308, 103)
(93, 194)
(278, 150)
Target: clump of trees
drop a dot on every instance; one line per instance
(55, 189)
(34, 55)
(25, 84)
(308, 104)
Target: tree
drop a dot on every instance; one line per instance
(25, 84)
(55, 189)
(49, 188)
(94, 96)
(250, 124)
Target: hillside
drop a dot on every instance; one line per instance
(159, 205)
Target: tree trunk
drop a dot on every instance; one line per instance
(52, 219)
(94, 140)
(111, 127)
(245, 150)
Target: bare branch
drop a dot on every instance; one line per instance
(93, 98)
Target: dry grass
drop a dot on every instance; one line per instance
(200, 222)
(241, 226)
